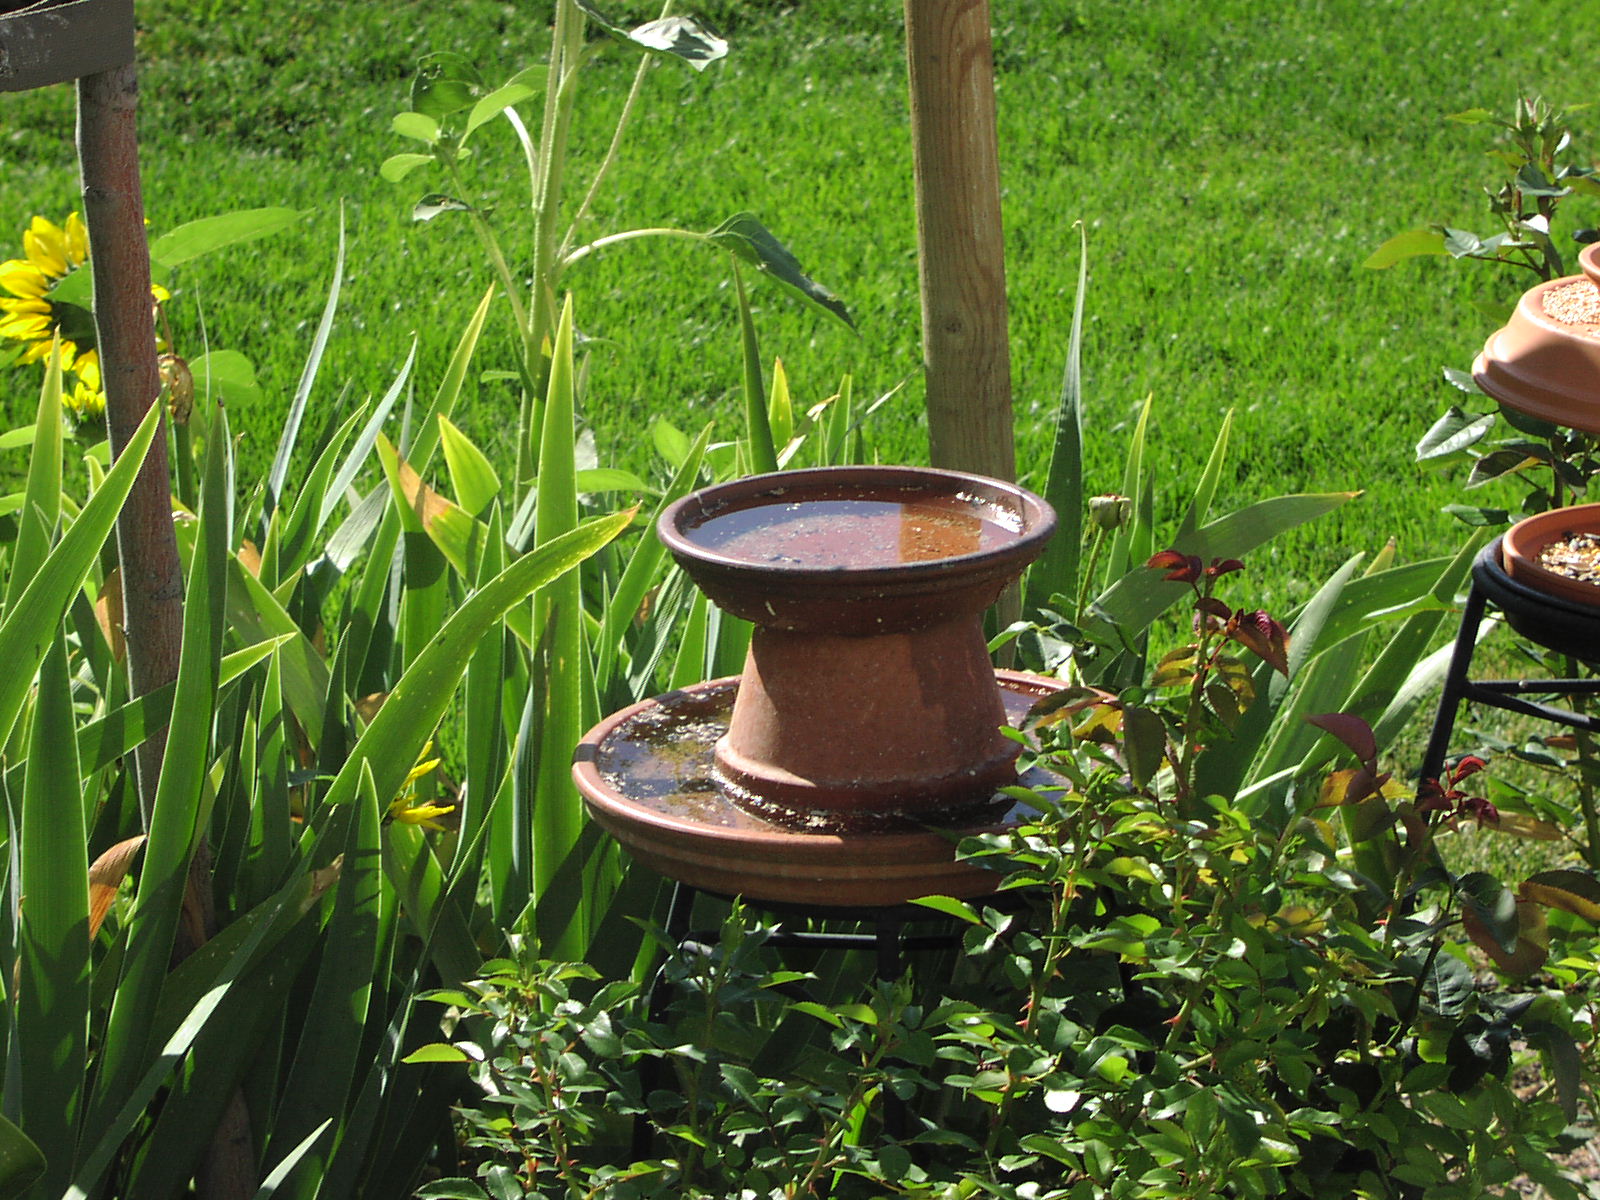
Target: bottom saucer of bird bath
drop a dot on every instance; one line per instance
(647, 774)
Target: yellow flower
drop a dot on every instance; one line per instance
(31, 313)
(404, 807)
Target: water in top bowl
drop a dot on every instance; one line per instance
(853, 533)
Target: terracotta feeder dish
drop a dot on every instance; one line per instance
(1558, 553)
(863, 739)
(1546, 360)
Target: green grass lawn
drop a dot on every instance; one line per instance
(1234, 168)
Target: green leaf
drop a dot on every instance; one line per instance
(435, 203)
(1461, 243)
(951, 907)
(471, 474)
(1411, 244)
(445, 82)
(682, 38)
(20, 1162)
(225, 377)
(1464, 381)
(1470, 514)
(503, 97)
(41, 504)
(747, 238)
(452, 1189)
(51, 1008)
(1532, 181)
(757, 425)
(1569, 889)
(1130, 604)
(670, 442)
(1145, 738)
(278, 474)
(557, 819)
(175, 820)
(416, 125)
(254, 613)
(644, 569)
(1057, 569)
(780, 407)
(1450, 981)
(439, 1052)
(1566, 1063)
(397, 166)
(812, 1009)
(111, 1134)
(1453, 432)
(412, 711)
(26, 630)
(609, 479)
(1493, 904)
(862, 1013)
(209, 234)
(1496, 464)
(323, 1070)
(287, 1164)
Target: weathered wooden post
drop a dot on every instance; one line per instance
(966, 351)
(92, 42)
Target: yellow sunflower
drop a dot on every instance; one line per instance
(33, 312)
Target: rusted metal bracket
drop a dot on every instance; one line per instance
(53, 41)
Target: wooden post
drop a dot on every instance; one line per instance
(966, 351)
(147, 545)
(147, 548)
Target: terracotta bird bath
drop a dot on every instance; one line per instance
(1545, 361)
(863, 739)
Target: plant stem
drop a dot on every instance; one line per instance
(611, 239)
(1586, 765)
(566, 49)
(1086, 579)
(497, 261)
(646, 61)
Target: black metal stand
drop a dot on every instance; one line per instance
(888, 941)
(1559, 626)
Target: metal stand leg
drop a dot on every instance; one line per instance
(1455, 686)
(679, 911)
(888, 942)
(890, 966)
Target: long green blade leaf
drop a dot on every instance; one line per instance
(41, 501)
(52, 1003)
(1057, 568)
(410, 714)
(174, 817)
(25, 632)
(20, 1161)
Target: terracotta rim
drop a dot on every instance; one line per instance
(1545, 367)
(1037, 517)
(1523, 542)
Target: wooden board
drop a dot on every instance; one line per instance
(53, 42)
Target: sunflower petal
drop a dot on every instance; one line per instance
(22, 278)
(26, 327)
(77, 240)
(45, 244)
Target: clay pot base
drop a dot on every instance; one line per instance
(1545, 359)
(646, 774)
